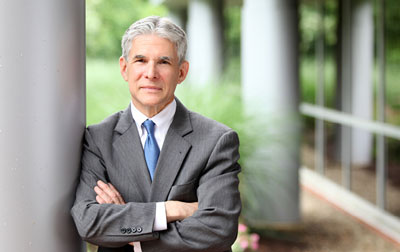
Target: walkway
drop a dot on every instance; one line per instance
(326, 228)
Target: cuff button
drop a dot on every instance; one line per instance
(139, 229)
(123, 230)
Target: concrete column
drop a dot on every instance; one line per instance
(362, 89)
(205, 39)
(177, 10)
(270, 93)
(178, 16)
(42, 120)
(344, 88)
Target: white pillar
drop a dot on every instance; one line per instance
(205, 38)
(362, 89)
(42, 119)
(270, 92)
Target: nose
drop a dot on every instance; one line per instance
(151, 71)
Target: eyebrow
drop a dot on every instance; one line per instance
(165, 58)
(138, 57)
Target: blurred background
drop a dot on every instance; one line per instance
(311, 86)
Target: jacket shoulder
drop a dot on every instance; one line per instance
(207, 125)
(107, 123)
(106, 127)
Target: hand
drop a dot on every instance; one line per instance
(177, 210)
(107, 194)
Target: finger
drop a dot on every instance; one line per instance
(103, 195)
(101, 184)
(111, 194)
(114, 189)
(100, 200)
(120, 199)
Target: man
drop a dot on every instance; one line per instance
(157, 177)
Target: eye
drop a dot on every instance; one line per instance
(165, 62)
(139, 60)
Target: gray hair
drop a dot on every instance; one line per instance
(160, 26)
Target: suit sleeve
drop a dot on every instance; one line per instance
(214, 225)
(107, 225)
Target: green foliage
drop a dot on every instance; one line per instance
(91, 247)
(310, 20)
(222, 103)
(309, 25)
(232, 15)
(106, 22)
(393, 94)
(106, 91)
(308, 77)
(392, 30)
(219, 102)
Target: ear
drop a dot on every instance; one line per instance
(123, 66)
(183, 71)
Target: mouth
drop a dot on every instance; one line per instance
(151, 88)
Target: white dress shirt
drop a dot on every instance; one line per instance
(162, 123)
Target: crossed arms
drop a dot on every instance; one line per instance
(174, 210)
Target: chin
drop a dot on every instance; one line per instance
(152, 102)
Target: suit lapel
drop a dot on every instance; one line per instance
(173, 153)
(128, 154)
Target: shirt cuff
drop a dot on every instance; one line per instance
(137, 247)
(160, 221)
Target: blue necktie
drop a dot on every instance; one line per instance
(151, 150)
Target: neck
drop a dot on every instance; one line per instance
(151, 111)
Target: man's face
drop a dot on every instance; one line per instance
(152, 72)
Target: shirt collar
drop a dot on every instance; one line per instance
(162, 119)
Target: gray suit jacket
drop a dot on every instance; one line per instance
(198, 162)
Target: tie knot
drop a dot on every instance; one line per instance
(149, 125)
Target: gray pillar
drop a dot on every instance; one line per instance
(177, 16)
(205, 41)
(362, 65)
(345, 88)
(177, 10)
(270, 93)
(42, 119)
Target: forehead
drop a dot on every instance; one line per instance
(150, 44)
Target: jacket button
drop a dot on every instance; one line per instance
(139, 229)
(134, 230)
(128, 230)
(123, 230)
